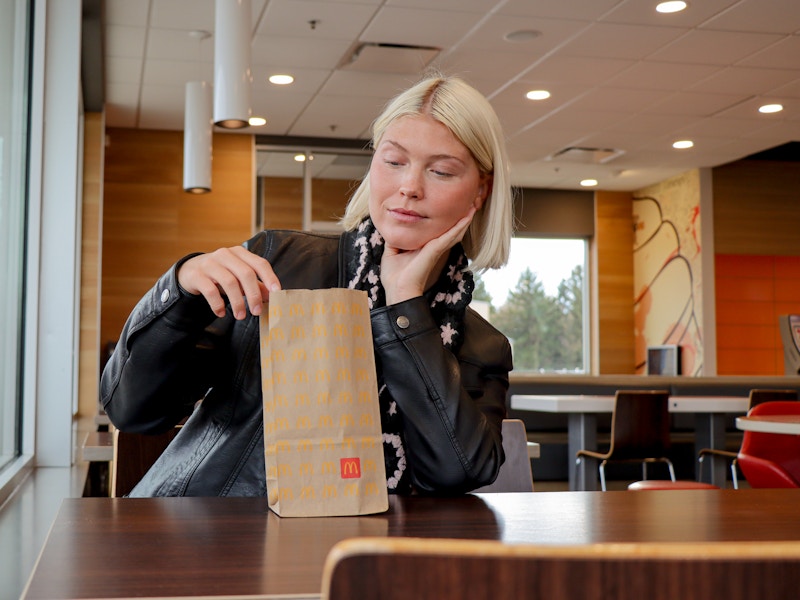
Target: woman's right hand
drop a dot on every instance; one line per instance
(235, 273)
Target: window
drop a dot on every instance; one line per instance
(537, 300)
(14, 73)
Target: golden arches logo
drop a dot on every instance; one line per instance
(300, 377)
(284, 470)
(279, 378)
(320, 331)
(340, 330)
(306, 469)
(358, 331)
(269, 406)
(364, 397)
(362, 375)
(345, 397)
(321, 353)
(307, 492)
(282, 446)
(329, 491)
(351, 489)
(285, 493)
(303, 422)
(272, 472)
(369, 466)
(343, 375)
(366, 419)
(322, 375)
(346, 420)
(281, 423)
(296, 310)
(299, 354)
(328, 467)
(318, 308)
(301, 400)
(304, 445)
(280, 400)
(325, 421)
(269, 449)
(275, 311)
(360, 352)
(367, 442)
(326, 444)
(324, 398)
(276, 334)
(338, 308)
(350, 468)
(371, 489)
(356, 309)
(278, 355)
(298, 333)
(348, 443)
(342, 352)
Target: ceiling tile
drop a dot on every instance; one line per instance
(713, 47)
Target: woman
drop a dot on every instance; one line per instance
(437, 193)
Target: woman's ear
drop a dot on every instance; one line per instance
(484, 190)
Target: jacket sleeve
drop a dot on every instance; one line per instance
(452, 407)
(163, 361)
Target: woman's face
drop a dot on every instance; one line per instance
(422, 181)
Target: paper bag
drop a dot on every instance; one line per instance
(323, 444)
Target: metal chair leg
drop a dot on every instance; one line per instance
(603, 475)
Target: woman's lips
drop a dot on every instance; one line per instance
(405, 216)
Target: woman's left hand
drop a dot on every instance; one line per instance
(406, 274)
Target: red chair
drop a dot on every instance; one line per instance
(771, 460)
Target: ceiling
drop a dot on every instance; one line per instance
(622, 76)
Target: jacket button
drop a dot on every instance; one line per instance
(402, 322)
(164, 295)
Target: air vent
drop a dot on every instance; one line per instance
(389, 58)
(586, 156)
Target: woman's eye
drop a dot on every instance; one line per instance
(439, 173)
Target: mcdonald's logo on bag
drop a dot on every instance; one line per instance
(350, 467)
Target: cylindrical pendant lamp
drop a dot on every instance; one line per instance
(197, 138)
(232, 77)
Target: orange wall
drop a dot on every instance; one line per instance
(752, 291)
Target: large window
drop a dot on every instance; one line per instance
(14, 97)
(537, 300)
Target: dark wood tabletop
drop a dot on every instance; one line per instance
(201, 547)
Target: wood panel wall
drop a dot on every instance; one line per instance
(91, 233)
(612, 272)
(756, 226)
(282, 199)
(149, 222)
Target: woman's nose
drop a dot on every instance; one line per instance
(410, 185)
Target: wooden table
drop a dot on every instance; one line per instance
(582, 410)
(205, 547)
(786, 424)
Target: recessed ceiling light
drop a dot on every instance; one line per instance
(683, 144)
(300, 157)
(770, 108)
(257, 121)
(537, 95)
(522, 35)
(281, 79)
(671, 7)
(589, 182)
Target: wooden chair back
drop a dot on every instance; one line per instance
(515, 473)
(134, 454)
(640, 425)
(771, 460)
(757, 396)
(440, 569)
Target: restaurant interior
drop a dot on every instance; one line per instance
(666, 140)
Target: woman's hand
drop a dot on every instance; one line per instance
(407, 274)
(236, 273)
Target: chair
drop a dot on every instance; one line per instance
(640, 430)
(445, 569)
(134, 454)
(515, 473)
(757, 396)
(771, 460)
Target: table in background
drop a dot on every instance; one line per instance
(160, 547)
(582, 410)
(785, 424)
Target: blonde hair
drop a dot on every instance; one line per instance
(470, 117)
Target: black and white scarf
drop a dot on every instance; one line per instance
(448, 298)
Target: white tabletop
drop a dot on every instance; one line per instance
(788, 424)
(583, 403)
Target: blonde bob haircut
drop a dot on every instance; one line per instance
(470, 117)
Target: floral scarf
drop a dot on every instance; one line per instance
(448, 298)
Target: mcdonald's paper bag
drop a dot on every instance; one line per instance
(322, 429)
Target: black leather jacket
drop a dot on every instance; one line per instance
(173, 351)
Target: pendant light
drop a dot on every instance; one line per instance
(197, 138)
(232, 77)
